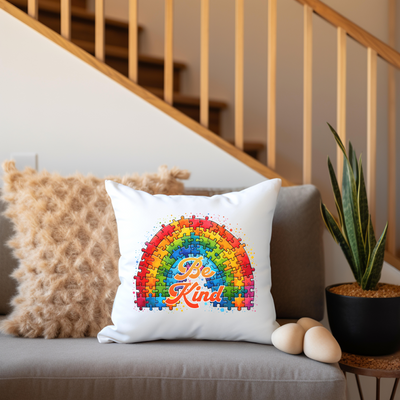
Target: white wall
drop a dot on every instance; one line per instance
(76, 119)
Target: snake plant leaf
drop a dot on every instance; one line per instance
(373, 272)
(324, 211)
(370, 239)
(354, 163)
(336, 233)
(336, 192)
(338, 140)
(351, 154)
(363, 207)
(351, 217)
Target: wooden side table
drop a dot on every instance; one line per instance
(376, 366)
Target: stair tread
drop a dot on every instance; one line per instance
(122, 52)
(180, 98)
(75, 12)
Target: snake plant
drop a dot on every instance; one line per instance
(354, 231)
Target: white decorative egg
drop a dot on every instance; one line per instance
(320, 345)
(289, 338)
(308, 323)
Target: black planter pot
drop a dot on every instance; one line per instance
(367, 326)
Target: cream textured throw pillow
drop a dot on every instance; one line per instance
(193, 267)
(66, 241)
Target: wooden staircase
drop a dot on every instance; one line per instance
(150, 69)
(185, 109)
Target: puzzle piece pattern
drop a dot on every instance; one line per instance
(194, 237)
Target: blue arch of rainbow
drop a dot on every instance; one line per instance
(194, 237)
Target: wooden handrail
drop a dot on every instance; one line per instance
(354, 31)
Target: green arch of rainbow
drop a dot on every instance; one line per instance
(193, 237)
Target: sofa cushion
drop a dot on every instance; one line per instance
(297, 254)
(73, 369)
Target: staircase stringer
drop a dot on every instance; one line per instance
(141, 92)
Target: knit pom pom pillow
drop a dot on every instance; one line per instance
(67, 246)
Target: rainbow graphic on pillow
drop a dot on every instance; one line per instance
(185, 250)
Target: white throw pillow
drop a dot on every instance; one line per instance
(193, 267)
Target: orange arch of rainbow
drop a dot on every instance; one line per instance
(188, 238)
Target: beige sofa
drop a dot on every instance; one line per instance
(83, 369)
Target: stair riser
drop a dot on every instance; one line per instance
(82, 29)
(149, 74)
(193, 112)
(74, 3)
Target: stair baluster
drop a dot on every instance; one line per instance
(371, 132)
(169, 61)
(391, 235)
(204, 64)
(33, 8)
(271, 84)
(99, 41)
(133, 41)
(239, 61)
(341, 99)
(307, 96)
(65, 16)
